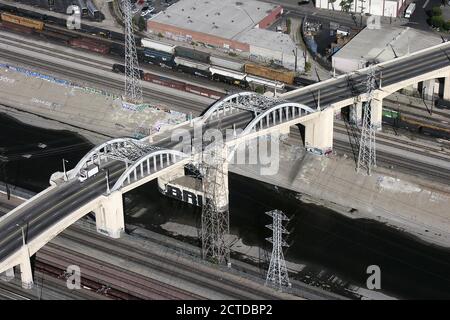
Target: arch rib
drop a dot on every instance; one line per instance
(151, 160)
(90, 155)
(216, 107)
(293, 106)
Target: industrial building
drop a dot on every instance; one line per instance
(379, 45)
(230, 25)
(385, 8)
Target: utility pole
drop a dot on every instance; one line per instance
(362, 7)
(64, 168)
(367, 150)
(133, 88)
(277, 274)
(107, 182)
(215, 211)
(23, 233)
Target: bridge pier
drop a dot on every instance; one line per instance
(428, 89)
(26, 273)
(356, 113)
(376, 113)
(319, 132)
(109, 215)
(8, 275)
(446, 91)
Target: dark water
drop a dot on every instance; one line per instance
(19, 141)
(326, 242)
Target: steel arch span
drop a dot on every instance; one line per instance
(220, 106)
(153, 162)
(100, 150)
(291, 111)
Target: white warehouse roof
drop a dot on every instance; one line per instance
(222, 18)
(383, 44)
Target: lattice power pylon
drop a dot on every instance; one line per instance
(215, 211)
(133, 88)
(367, 148)
(277, 274)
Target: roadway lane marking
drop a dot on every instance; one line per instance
(425, 4)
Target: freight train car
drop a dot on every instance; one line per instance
(225, 63)
(228, 76)
(193, 67)
(24, 22)
(90, 44)
(270, 73)
(17, 28)
(192, 54)
(156, 57)
(55, 36)
(120, 68)
(157, 45)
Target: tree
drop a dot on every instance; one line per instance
(437, 21)
(259, 89)
(346, 5)
(141, 24)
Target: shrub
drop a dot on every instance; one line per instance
(307, 66)
(446, 25)
(437, 21)
(259, 89)
(436, 11)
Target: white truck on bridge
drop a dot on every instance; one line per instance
(88, 172)
(409, 11)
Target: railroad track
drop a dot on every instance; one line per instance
(93, 62)
(410, 166)
(149, 94)
(127, 284)
(437, 112)
(12, 294)
(389, 160)
(406, 145)
(191, 274)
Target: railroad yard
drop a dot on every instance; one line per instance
(381, 162)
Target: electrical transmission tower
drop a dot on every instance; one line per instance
(277, 275)
(367, 150)
(133, 89)
(215, 211)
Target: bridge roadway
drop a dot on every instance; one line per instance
(47, 210)
(354, 84)
(57, 204)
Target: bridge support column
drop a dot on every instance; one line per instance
(376, 113)
(8, 275)
(428, 89)
(446, 92)
(319, 132)
(109, 216)
(26, 274)
(356, 113)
